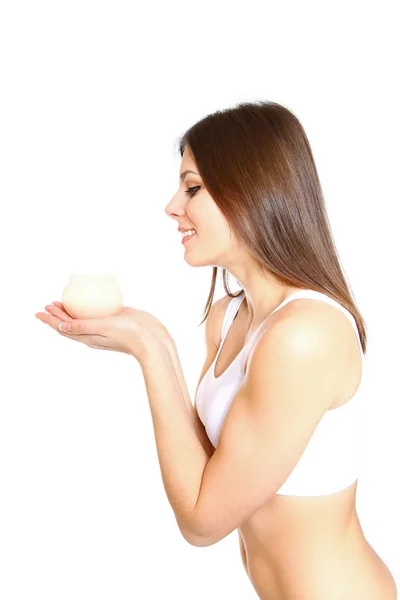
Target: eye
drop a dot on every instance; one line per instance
(190, 190)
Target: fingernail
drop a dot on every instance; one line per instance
(64, 327)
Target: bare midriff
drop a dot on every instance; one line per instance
(313, 548)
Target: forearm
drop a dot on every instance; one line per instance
(173, 352)
(181, 456)
(176, 363)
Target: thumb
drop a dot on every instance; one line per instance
(81, 327)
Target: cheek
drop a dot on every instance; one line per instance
(209, 221)
(206, 212)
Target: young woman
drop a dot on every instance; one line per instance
(272, 445)
(279, 402)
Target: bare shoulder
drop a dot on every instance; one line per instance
(316, 313)
(334, 325)
(313, 309)
(304, 320)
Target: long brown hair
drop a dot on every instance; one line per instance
(256, 163)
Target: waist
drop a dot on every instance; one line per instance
(285, 523)
(293, 543)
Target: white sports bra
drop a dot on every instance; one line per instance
(332, 458)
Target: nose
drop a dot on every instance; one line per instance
(174, 207)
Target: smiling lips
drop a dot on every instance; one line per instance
(187, 237)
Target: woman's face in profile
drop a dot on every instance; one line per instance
(192, 207)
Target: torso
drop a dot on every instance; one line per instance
(310, 548)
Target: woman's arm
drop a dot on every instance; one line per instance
(181, 455)
(197, 424)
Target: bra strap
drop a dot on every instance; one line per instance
(230, 313)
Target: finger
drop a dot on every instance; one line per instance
(52, 321)
(58, 312)
(84, 328)
(59, 304)
(78, 327)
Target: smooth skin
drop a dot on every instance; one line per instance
(131, 331)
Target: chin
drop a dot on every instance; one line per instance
(198, 261)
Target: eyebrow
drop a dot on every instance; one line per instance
(183, 175)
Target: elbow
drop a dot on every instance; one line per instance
(197, 541)
(200, 540)
(194, 538)
(193, 533)
(204, 539)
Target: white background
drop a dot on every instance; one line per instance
(94, 96)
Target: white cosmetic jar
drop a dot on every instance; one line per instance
(92, 296)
